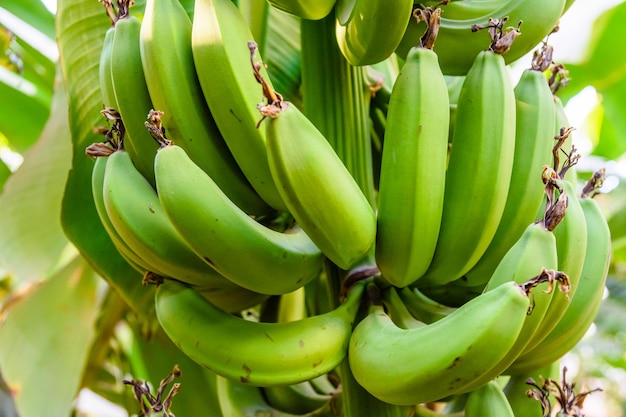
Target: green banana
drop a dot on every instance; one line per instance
(488, 401)
(219, 41)
(571, 246)
(457, 45)
(167, 58)
(413, 170)
(231, 299)
(364, 33)
(398, 311)
(131, 94)
(104, 70)
(298, 398)
(516, 388)
(219, 232)
(422, 307)
(585, 303)
(237, 399)
(256, 353)
(319, 191)
(305, 9)
(483, 146)
(97, 188)
(133, 207)
(534, 125)
(424, 364)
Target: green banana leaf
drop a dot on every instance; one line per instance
(45, 340)
(604, 68)
(81, 25)
(32, 240)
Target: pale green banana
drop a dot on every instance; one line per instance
(319, 191)
(220, 38)
(424, 364)
(131, 95)
(585, 303)
(369, 31)
(516, 388)
(457, 45)
(231, 299)
(133, 207)
(422, 307)
(488, 401)
(167, 58)
(571, 247)
(306, 9)
(534, 125)
(104, 70)
(398, 311)
(256, 353)
(413, 170)
(246, 252)
(483, 146)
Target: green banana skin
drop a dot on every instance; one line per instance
(255, 353)
(571, 246)
(319, 191)
(305, 9)
(488, 401)
(219, 232)
(231, 299)
(422, 307)
(533, 150)
(457, 45)
(360, 24)
(482, 149)
(219, 41)
(167, 59)
(134, 210)
(104, 70)
(131, 94)
(237, 399)
(97, 188)
(534, 251)
(297, 399)
(585, 303)
(398, 311)
(413, 366)
(413, 170)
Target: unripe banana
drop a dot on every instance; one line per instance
(516, 388)
(306, 9)
(104, 70)
(134, 210)
(422, 307)
(571, 246)
(131, 95)
(255, 353)
(167, 58)
(585, 303)
(457, 45)
(231, 299)
(296, 399)
(482, 150)
(219, 232)
(221, 55)
(362, 23)
(319, 191)
(534, 125)
(488, 401)
(413, 170)
(398, 311)
(411, 366)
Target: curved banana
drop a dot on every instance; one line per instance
(231, 299)
(167, 58)
(133, 207)
(104, 70)
(424, 364)
(237, 399)
(131, 94)
(488, 401)
(319, 191)
(369, 31)
(534, 125)
(398, 311)
(305, 9)
(571, 246)
(413, 169)
(585, 303)
(297, 399)
(457, 45)
(483, 146)
(246, 252)
(219, 42)
(422, 307)
(256, 353)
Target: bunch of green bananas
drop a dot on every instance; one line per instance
(229, 198)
